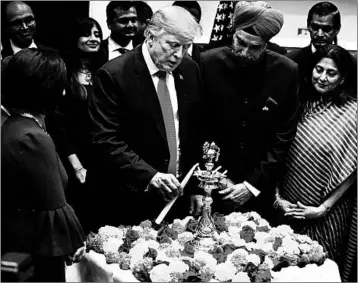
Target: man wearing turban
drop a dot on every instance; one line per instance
(251, 93)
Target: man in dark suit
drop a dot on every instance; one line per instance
(193, 8)
(252, 97)
(143, 120)
(20, 29)
(324, 24)
(122, 22)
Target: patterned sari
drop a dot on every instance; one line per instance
(322, 156)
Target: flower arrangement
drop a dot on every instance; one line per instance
(246, 249)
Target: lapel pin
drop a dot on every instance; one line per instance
(181, 77)
(265, 108)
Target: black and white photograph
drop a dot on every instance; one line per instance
(179, 141)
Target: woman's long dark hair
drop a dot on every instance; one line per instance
(75, 57)
(346, 68)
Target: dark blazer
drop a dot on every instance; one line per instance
(128, 133)
(253, 114)
(35, 216)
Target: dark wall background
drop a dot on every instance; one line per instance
(53, 19)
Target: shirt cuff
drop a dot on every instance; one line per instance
(252, 189)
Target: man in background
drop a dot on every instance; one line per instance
(324, 24)
(144, 13)
(20, 29)
(122, 22)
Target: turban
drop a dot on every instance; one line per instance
(259, 17)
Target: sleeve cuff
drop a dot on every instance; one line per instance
(252, 189)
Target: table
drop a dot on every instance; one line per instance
(93, 268)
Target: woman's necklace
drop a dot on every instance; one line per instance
(88, 76)
(28, 115)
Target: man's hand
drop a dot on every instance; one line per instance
(196, 205)
(307, 212)
(166, 185)
(237, 193)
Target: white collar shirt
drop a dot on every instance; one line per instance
(16, 49)
(114, 46)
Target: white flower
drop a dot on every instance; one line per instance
(267, 264)
(304, 248)
(241, 277)
(185, 237)
(224, 238)
(284, 230)
(253, 258)
(267, 247)
(225, 271)
(238, 257)
(142, 264)
(173, 250)
(178, 226)
(160, 273)
(264, 222)
(235, 219)
(289, 246)
(150, 234)
(251, 246)
(139, 250)
(238, 242)
(260, 237)
(234, 231)
(153, 244)
(161, 256)
(202, 259)
(111, 231)
(178, 266)
(112, 245)
(303, 239)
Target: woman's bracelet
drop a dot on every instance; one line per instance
(79, 169)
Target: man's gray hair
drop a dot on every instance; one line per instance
(176, 21)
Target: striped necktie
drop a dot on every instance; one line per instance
(168, 116)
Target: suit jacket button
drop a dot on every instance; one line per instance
(242, 145)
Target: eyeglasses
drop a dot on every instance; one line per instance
(18, 24)
(324, 28)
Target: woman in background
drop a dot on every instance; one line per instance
(36, 218)
(318, 194)
(83, 59)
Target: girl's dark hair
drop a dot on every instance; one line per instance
(346, 68)
(74, 57)
(37, 79)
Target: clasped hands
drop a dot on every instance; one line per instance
(238, 194)
(300, 211)
(166, 185)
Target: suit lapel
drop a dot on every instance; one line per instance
(149, 94)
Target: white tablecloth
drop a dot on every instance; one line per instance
(93, 268)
